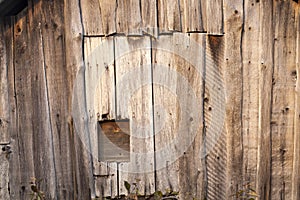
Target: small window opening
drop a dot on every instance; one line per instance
(9, 7)
(114, 140)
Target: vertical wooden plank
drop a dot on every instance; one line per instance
(178, 98)
(233, 80)
(214, 15)
(92, 18)
(191, 16)
(5, 110)
(214, 119)
(296, 158)
(149, 17)
(4, 103)
(128, 17)
(100, 91)
(169, 16)
(134, 101)
(283, 100)
(265, 74)
(76, 166)
(250, 56)
(108, 16)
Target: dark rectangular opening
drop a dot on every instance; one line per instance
(11, 7)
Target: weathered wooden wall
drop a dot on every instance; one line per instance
(226, 72)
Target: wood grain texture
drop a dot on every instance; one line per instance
(128, 17)
(250, 43)
(4, 95)
(214, 15)
(169, 16)
(108, 16)
(191, 15)
(233, 84)
(178, 90)
(296, 159)
(134, 102)
(283, 100)
(265, 74)
(214, 116)
(149, 17)
(4, 173)
(100, 100)
(92, 17)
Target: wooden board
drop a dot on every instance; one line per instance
(214, 118)
(149, 17)
(134, 102)
(250, 55)
(296, 159)
(92, 18)
(4, 172)
(169, 16)
(265, 73)
(283, 100)
(100, 100)
(128, 17)
(178, 97)
(191, 15)
(214, 15)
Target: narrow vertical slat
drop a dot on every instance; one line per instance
(214, 115)
(134, 102)
(191, 16)
(296, 158)
(283, 101)
(233, 84)
(149, 17)
(169, 16)
(100, 100)
(214, 15)
(92, 18)
(178, 98)
(250, 56)
(265, 74)
(128, 17)
(108, 16)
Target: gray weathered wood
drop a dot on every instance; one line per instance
(283, 100)
(92, 18)
(4, 173)
(265, 93)
(214, 116)
(100, 100)
(108, 16)
(214, 15)
(134, 102)
(169, 16)
(149, 17)
(250, 56)
(178, 90)
(128, 17)
(191, 16)
(233, 83)
(296, 158)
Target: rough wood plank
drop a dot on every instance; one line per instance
(4, 172)
(178, 98)
(283, 100)
(134, 102)
(265, 74)
(128, 17)
(296, 159)
(4, 96)
(191, 16)
(169, 16)
(108, 16)
(214, 15)
(250, 56)
(214, 116)
(100, 100)
(149, 17)
(92, 18)
(77, 163)
(233, 83)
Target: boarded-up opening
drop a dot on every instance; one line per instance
(114, 140)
